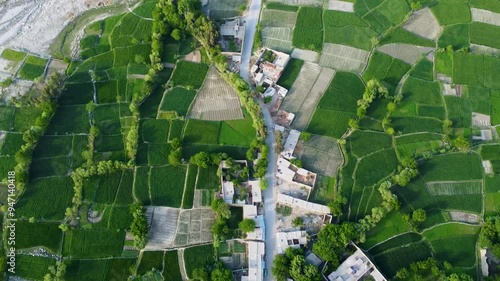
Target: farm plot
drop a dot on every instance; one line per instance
(445, 238)
(342, 57)
(452, 167)
(167, 185)
(400, 35)
(163, 225)
(483, 50)
(302, 99)
(308, 30)
(395, 241)
(220, 9)
(33, 203)
(189, 74)
(216, 100)
(277, 38)
(317, 3)
(391, 261)
(417, 91)
(99, 270)
(46, 235)
(423, 23)
(33, 267)
(391, 225)
(375, 167)
(198, 257)
(278, 18)
(339, 104)
(304, 55)
(405, 52)
(150, 260)
(366, 142)
(194, 227)
(322, 155)
(491, 5)
(417, 144)
(343, 6)
(454, 187)
(347, 29)
(386, 69)
(485, 16)
(481, 34)
(93, 243)
(456, 35)
(171, 268)
(381, 15)
(290, 73)
(451, 11)
(33, 68)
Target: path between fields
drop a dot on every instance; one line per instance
(252, 19)
(182, 266)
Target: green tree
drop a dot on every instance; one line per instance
(222, 274)
(332, 240)
(305, 136)
(300, 270)
(280, 267)
(462, 144)
(176, 34)
(200, 274)
(201, 159)
(297, 222)
(246, 225)
(419, 216)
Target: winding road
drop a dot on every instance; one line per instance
(252, 18)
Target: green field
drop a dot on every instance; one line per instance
(365, 142)
(347, 29)
(33, 267)
(189, 74)
(451, 11)
(308, 31)
(30, 235)
(198, 256)
(167, 185)
(375, 167)
(171, 270)
(93, 243)
(150, 260)
(13, 55)
(32, 68)
(456, 35)
(199, 131)
(386, 69)
(290, 73)
(178, 99)
(388, 227)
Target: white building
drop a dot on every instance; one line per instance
(256, 191)
(227, 192)
(355, 267)
(293, 202)
(256, 252)
(290, 144)
(293, 239)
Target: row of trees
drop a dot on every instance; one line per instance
(47, 102)
(139, 226)
(88, 155)
(79, 175)
(430, 269)
(216, 272)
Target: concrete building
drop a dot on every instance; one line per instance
(290, 173)
(227, 192)
(293, 239)
(291, 143)
(355, 267)
(256, 191)
(311, 207)
(255, 253)
(234, 28)
(269, 72)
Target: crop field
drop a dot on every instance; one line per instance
(322, 155)
(99, 270)
(30, 235)
(93, 243)
(345, 58)
(171, 270)
(390, 226)
(347, 29)
(423, 23)
(454, 188)
(405, 52)
(32, 68)
(402, 36)
(386, 69)
(199, 131)
(398, 257)
(456, 35)
(33, 267)
(68, 120)
(490, 152)
(278, 18)
(417, 91)
(308, 31)
(451, 11)
(220, 9)
(199, 256)
(423, 70)
(375, 167)
(480, 34)
(277, 38)
(178, 99)
(452, 167)
(208, 179)
(237, 132)
(320, 123)
(150, 260)
(415, 145)
(366, 142)
(13, 55)
(167, 185)
(401, 239)
(216, 100)
(41, 191)
(158, 154)
(192, 173)
(155, 130)
(189, 74)
(304, 95)
(381, 15)
(443, 239)
(290, 73)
